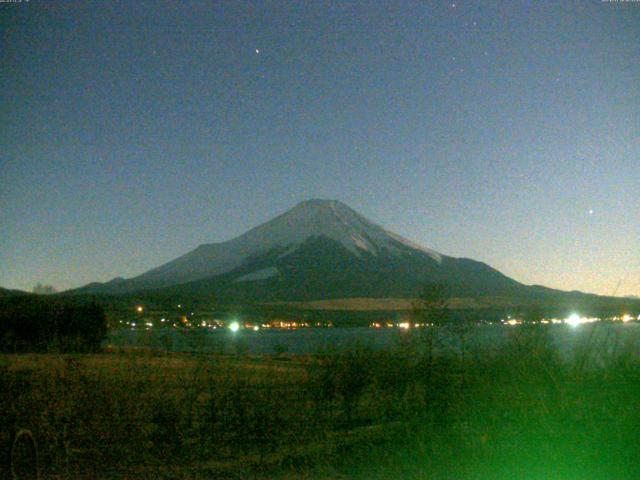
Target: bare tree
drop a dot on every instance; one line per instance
(431, 310)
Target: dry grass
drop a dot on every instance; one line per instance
(400, 304)
(516, 412)
(375, 304)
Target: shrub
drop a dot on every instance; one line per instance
(33, 323)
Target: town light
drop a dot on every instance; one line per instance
(574, 320)
(234, 326)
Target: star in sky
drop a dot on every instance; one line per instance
(479, 90)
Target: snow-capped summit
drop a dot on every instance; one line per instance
(318, 249)
(330, 219)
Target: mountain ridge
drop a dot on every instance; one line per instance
(315, 217)
(318, 250)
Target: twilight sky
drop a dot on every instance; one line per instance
(507, 132)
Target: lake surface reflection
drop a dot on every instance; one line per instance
(611, 336)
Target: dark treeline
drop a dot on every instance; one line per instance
(36, 324)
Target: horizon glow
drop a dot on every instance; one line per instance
(502, 132)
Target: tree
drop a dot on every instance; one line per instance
(432, 304)
(33, 323)
(82, 327)
(431, 310)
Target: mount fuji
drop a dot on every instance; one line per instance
(320, 249)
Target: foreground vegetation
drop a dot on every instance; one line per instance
(33, 323)
(516, 412)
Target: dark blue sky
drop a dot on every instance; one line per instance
(508, 132)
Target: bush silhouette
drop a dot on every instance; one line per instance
(37, 324)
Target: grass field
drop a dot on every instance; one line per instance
(519, 411)
(394, 304)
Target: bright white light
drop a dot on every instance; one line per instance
(574, 320)
(256, 328)
(404, 325)
(627, 318)
(234, 327)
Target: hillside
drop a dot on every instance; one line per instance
(324, 250)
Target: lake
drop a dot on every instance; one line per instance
(313, 340)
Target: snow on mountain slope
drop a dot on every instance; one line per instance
(321, 249)
(261, 274)
(312, 218)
